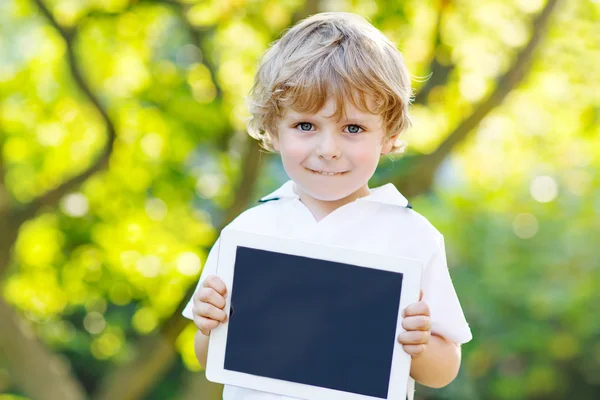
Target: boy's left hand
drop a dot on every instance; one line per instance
(418, 328)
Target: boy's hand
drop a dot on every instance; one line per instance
(209, 303)
(418, 328)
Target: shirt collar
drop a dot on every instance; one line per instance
(285, 191)
(386, 194)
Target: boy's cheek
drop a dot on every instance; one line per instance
(365, 153)
(294, 150)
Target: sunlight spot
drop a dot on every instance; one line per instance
(208, 185)
(133, 232)
(106, 346)
(28, 43)
(525, 225)
(514, 33)
(156, 209)
(149, 266)
(130, 74)
(94, 322)
(50, 135)
(472, 87)
(144, 320)
(489, 63)
(544, 189)
(188, 263)
(556, 86)
(152, 145)
(75, 205)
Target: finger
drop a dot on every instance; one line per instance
(209, 311)
(414, 350)
(216, 283)
(414, 337)
(205, 325)
(417, 323)
(419, 308)
(210, 296)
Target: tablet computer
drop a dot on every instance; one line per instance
(311, 321)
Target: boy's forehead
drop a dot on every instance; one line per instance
(330, 110)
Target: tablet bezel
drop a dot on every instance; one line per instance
(411, 282)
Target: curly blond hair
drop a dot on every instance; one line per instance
(330, 54)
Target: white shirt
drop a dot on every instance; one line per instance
(381, 222)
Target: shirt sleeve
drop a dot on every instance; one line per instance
(447, 317)
(210, 268)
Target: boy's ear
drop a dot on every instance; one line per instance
(388, 144)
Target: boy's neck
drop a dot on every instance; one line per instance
(322, 208)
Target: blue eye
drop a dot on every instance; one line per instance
(354, 129)
(305, 126)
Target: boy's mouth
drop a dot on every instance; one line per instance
(326, 173)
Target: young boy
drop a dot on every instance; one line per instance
(332, 96)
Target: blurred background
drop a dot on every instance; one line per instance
(123, 153)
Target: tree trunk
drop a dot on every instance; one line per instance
(155, 356)
(198, 387)
(39, 373)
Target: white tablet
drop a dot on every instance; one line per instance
(312, 321)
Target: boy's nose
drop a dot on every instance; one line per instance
(328, 147)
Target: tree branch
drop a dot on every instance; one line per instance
(4, 195)
(54, 195)
(420, 179)
(438, 72)
(8, 234)
(252, 161)
(2, 167)
(199, 36)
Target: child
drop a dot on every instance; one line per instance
(332, 96)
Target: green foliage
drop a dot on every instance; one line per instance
(518, 201)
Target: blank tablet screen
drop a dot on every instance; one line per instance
(311, 321)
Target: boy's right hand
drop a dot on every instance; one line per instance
(209, 304)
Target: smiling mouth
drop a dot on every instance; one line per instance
(325, 173)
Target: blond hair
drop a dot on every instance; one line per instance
(330, 54)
